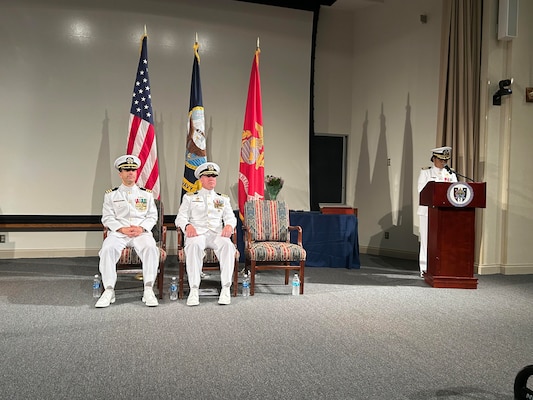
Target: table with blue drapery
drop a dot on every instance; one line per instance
(330, 240)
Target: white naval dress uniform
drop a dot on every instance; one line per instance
(128, 206)
(208, 212)
(426, 175)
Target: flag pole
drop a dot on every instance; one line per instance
(195, 153)
(141, 131)
(252, 162)
(195, 47)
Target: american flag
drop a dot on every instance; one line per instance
(252, 163)
(141, 137)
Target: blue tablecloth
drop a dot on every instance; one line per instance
(330, 240)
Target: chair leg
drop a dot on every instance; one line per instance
(252, 278)
(161, 279)
(180, 280)
(235, 279)
(302, 268)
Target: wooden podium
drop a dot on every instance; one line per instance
(451, 232)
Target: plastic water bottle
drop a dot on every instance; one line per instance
(246, 286)
(295, 285)
(96, 286)
(173, 288)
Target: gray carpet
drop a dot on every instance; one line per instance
(374, 333)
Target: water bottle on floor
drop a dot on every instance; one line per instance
(246, 285)
(96, 286)
(295, 285)
(173, 288)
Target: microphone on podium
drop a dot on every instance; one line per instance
(452, 171)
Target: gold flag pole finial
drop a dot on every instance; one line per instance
(195, 47)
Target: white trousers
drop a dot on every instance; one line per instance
(194, 255)
(144, 245)
(423, 229)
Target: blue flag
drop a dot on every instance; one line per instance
(195, 153)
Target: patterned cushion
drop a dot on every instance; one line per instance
(267, 220)
(275, 251)
(130, 256)
(209, 257)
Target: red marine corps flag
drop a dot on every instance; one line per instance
(252, 163)
(141, 137)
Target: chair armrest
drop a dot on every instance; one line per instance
(181, 238)
(234, 237)
(164, 238)
(247, 236)
(106, 230)
(299, 229)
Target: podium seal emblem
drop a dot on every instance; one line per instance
(460, 194)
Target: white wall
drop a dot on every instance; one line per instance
(505, 231)
(381, 66)
(66, 77)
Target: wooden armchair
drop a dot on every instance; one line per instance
(210, 262)
(130, 263)
(267, 242)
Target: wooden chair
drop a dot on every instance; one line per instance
(267, 240)
(211, 262)
(130, 263)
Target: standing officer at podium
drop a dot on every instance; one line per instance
(439, 172)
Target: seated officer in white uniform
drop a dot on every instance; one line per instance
(208, 221)
(130, 214)
(438, 173)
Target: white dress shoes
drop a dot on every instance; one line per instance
(149, 297)
(225, 297)
(106, 299)
(194, 297)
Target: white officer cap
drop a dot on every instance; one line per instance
(128, 161)
(207, 168)
(444, 153)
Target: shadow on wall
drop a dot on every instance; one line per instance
(373, 196)
(393, 240)
(159, 127)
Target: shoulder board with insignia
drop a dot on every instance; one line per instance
(146, 190)
(426, 168)
(111, 190)
(222, 194)
(191, 193)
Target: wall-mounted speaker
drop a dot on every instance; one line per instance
(507, 19)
